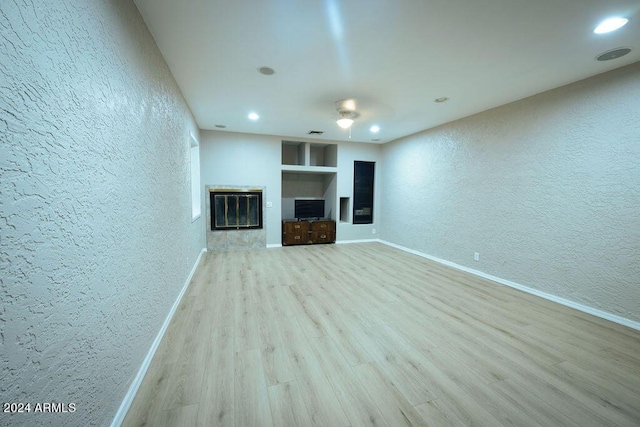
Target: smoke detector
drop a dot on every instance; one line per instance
(613, 54)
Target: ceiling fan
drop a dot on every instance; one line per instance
(347, 110)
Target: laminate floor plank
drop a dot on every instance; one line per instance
(183, 416)
(245, 322)
(251, 399)
(276, 363)
(308, 314)
(146, 409)
(319, 397)
(216, 405)
(507, 409)
(344, 333)
(287, 407)
(356, 403)
(435, 415)
(366, 334)
(402, 364)
(620, 396)
(624, 360)
(396, 409)
(528, 406)
(567, 397)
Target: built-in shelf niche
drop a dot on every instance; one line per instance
(323, 155)
(345, 209)
(293, 153)
(308, 185)
(309, 154)
(309, 171)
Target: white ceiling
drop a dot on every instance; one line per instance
(393, 57)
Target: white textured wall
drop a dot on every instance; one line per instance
(95, 219)
(546, 189)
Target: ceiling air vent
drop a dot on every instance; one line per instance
(315, 132)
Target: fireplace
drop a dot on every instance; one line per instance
(236, 217)
(235, 209)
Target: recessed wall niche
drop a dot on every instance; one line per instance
(293, 153)
(323, 155)
(306, 185)
(345, 210)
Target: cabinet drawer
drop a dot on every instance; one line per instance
(322, 236)
(295, 227)
(295, 239)
(323, 226)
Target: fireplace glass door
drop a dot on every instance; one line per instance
(236, 210)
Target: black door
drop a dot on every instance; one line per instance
(363, 192)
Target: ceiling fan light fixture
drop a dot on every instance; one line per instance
(347, 110)
(347, 104)
(344, 122)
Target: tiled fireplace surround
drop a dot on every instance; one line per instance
(236, 239)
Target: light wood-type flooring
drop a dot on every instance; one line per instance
(365, 334)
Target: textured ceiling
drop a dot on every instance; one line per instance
(394, 57)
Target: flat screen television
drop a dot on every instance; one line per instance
(309, 209)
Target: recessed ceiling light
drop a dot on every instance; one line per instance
(375, 128)
(220, 126)
(267, 71)
(440, 100)
(610, 24)
(253, 116)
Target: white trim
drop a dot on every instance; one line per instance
(340, 242)
(581, 307)
(133, 389)
(274, 245)
(194, 141)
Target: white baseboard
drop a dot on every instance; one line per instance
(274, 245)
(128, 399)
(341, 242)
(581, 307)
